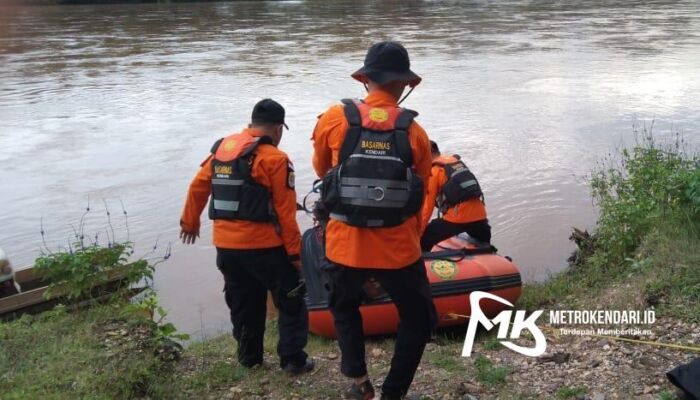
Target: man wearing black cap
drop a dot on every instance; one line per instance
(374, 159)
(253, 205)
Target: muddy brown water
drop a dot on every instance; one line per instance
(120, 103)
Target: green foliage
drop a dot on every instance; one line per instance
(646, 186)
(488, 374)
(448, 362)
(74, 273)
(691, 186)
(218, 374)
(667, 395)
(165, 335)
(565, 393)
(88, 268)
(673, 256)
(492, 343)
(647, 234)
(556, 288)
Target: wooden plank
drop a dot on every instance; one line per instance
(29, 300)
(25, 274)
(28, 279)
(22, 300)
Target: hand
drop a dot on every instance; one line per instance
(189, 237)
(296, 264)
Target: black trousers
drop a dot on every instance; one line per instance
(248, 275)
(410, 291)
(439, 230)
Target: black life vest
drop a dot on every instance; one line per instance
(374, 184)
(461, 184)
(234, 193)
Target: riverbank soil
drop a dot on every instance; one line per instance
(61, 355)
(573, 367)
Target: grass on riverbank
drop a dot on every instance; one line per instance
(109, 352)
(91, 354)
(646, 248)
(104, 352)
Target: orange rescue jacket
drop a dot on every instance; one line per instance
(272, 169)
(467, 211)
(386, 248)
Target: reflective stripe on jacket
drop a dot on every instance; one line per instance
(235, 195)
(390, 247)
(271, 168)
(374, 184)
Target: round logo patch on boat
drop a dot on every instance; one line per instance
(378, 115)
(444, 269)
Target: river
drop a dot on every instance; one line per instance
(118, 104)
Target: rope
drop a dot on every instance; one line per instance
(622, 339)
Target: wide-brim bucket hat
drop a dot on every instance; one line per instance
(387, 62)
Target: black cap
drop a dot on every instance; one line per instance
(387, 62)
(268, 110)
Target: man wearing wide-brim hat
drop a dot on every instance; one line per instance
(374, 228)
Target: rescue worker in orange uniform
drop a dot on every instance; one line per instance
(457, 195)
(253, 205)
(374, 160)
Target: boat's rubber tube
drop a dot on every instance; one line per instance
(455, 268)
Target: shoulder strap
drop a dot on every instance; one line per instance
(448, 170)
(405, 119)
(352, 136)
(243, 162)
(403, 145)
(216, 145)
(352, 113)
(254, 145)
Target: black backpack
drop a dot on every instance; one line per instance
(234, 193)
(461, 185)
(374, 184)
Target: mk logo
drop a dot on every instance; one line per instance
(503, 320)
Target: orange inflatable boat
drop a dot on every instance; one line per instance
(455, 267)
